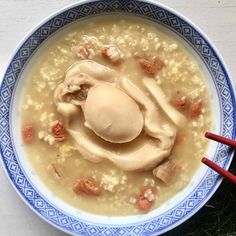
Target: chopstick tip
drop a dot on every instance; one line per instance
(207, 134)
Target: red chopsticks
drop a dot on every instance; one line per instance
(220, 139)
(232, 143)
(219, 170)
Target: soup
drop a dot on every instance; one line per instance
(114, 114)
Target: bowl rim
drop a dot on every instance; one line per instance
(179, 15)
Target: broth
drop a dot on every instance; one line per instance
(181, 76)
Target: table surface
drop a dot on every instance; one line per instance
(217, 18)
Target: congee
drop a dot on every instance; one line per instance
(113, 115)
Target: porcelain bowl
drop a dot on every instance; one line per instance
(63, 216)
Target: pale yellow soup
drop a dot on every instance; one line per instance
(135, 38)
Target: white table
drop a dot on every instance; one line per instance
(217, 18)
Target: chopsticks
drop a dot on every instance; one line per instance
(220, 139)
(232, 143)
(226, 174)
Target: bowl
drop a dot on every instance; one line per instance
(63, 216)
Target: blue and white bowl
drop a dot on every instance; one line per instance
(71, 220)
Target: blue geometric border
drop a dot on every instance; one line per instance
(195, 39)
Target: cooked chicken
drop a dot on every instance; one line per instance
(102, 116)
(161, 100)
(93, 69)
(143, 156)
(166, 171)
(152, 125)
